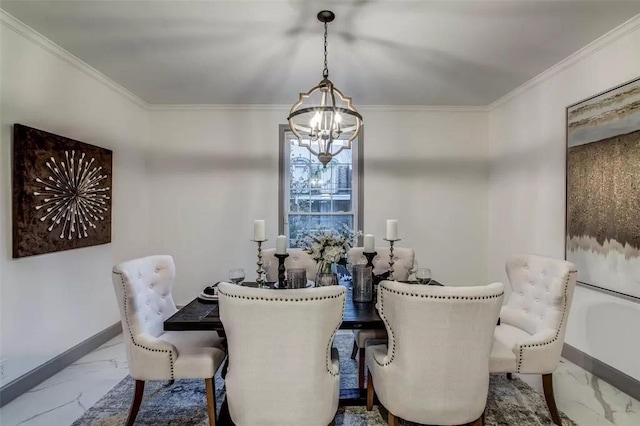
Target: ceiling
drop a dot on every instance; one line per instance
(381, 52)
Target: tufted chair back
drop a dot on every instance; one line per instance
(298, 258)
(435, 369)
(402, 257)
(143, 289)
(542, 290)
(281, 370)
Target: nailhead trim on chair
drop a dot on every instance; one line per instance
(126, 316)
(273, 299)
(427, 296)
(331, 340)
(564, 310)
(298, 299)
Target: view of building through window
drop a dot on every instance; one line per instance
(318, 198)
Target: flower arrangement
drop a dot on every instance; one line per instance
(330, 246)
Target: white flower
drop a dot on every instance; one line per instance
(333, 254)
(329, 246)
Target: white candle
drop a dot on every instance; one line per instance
(281, 244)
(258, 230)
(369, 243)
(392, 229)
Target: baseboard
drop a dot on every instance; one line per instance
(17, 387)
(614, 377)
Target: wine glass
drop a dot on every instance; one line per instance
(349, 268)
(236, 275)
(266, 265)
(423, 275)
(411, 270)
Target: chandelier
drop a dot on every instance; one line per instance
(324, 120)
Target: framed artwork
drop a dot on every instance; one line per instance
(603, 190)
(61, 193)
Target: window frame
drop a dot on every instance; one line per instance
(283, 192)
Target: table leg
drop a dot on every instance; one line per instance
(224, 418)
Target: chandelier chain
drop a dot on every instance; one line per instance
(325, 71)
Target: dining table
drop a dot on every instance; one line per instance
(201, 314)
(204, 315)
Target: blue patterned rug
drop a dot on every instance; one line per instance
(510, 402)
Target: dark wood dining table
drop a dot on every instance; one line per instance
(204, 315)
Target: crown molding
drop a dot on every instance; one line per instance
(267, 107)
(590, 49)
(35, 37)
(424, 108)
(217, 107)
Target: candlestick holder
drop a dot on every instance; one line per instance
(281, 269)
(391, 261)
(260, 270)
(370, 257)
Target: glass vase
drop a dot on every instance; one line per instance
(324, 276)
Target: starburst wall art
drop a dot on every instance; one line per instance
(61, 193)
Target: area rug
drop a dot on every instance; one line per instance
(510, 402)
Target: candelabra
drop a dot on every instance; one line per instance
(391, 261)
(374, 286)
(260, 280)
(281, 269)
(370, 257)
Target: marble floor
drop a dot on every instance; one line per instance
(64, 397)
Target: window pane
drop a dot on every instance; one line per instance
(300, 203)
(314, 188)
(317, 197)
(302, 225)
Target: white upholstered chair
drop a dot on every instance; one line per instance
(435, 369)
(530, 336)
(403, 261)
(143, 289)
(298, 258)
(282, 369)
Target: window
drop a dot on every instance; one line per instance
(314, 198)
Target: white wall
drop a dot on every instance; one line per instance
(53, 301)
(428, 169)
(527, 189)
(216, 170)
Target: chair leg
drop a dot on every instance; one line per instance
(547, 386)
(391, 419)
(361, 363)
(370, 392)
(135, 405)
(354, 351)
(509, 376)
(211, 400)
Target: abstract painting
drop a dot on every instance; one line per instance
(603, 190)
(61, 193)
